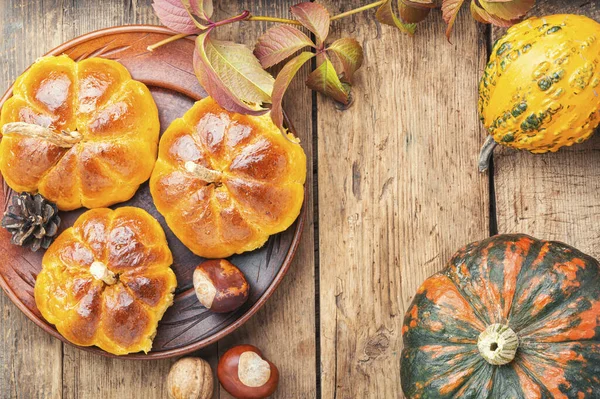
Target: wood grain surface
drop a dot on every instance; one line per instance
(552, 196)
(396, 193)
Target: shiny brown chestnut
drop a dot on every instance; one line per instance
(220, 286)
(245, 374)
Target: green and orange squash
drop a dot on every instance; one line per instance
(509, 317)
(540, 90)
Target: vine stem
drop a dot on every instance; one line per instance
(273, 19)
(357, 10)
(245, 17)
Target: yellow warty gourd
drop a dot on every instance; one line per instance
(540, 89)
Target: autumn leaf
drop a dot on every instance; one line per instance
(174, 15)
(283, 80)
(480, 15)
(314, 17)
(411, 12)
(184, 16)
(231, 74)
(385, 14)
(506, 10)
(279, 43)
(350, 54)
(450, 9)
(325, 80)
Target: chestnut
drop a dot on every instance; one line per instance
(245, 374)
(220, 286)
(190, 378)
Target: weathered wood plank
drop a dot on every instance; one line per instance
(30, 359)
(552, 196)
(285, 328)
(398, 191)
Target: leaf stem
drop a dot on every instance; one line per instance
(357, 10)
(168, 40)
(273, 19)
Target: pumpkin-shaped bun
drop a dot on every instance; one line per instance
(87, 133)
(509, 317)
(225, 182)
(107, 280)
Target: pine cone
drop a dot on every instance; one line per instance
(32, 220)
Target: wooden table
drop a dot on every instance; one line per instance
(393, 193)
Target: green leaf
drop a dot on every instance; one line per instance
(279, 43)
(350, 54)
(325, 80)
(282, 82)
(507, 10)
(314, 17)
(480, 15)
(450, 9)
(385, 14)
(231, 74)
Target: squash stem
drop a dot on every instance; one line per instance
(485, 155)
(498, 344)
(208, 175)
(61, 139)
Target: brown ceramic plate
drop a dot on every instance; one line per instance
(186, 326)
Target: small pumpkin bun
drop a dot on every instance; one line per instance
(225, 182)
(107, 280)
(539, 91)
(79, 133)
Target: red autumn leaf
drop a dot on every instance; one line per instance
(325, 80)
(231, 74)
(282, 81)
(385, 14)
(450, 9)
(173, 14)
(279, 43)
(350, 54)
(314, 17)
(184, 16)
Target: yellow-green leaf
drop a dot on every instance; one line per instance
(282, 82)
(385, 14)
(325, 80)
(231, 74)
(507, 10)
(350, 54)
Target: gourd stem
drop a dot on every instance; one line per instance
(498, 344)
(208, 175)
(101, 272)
(485, 155)
(62, 139)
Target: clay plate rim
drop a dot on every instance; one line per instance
(206, 341)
